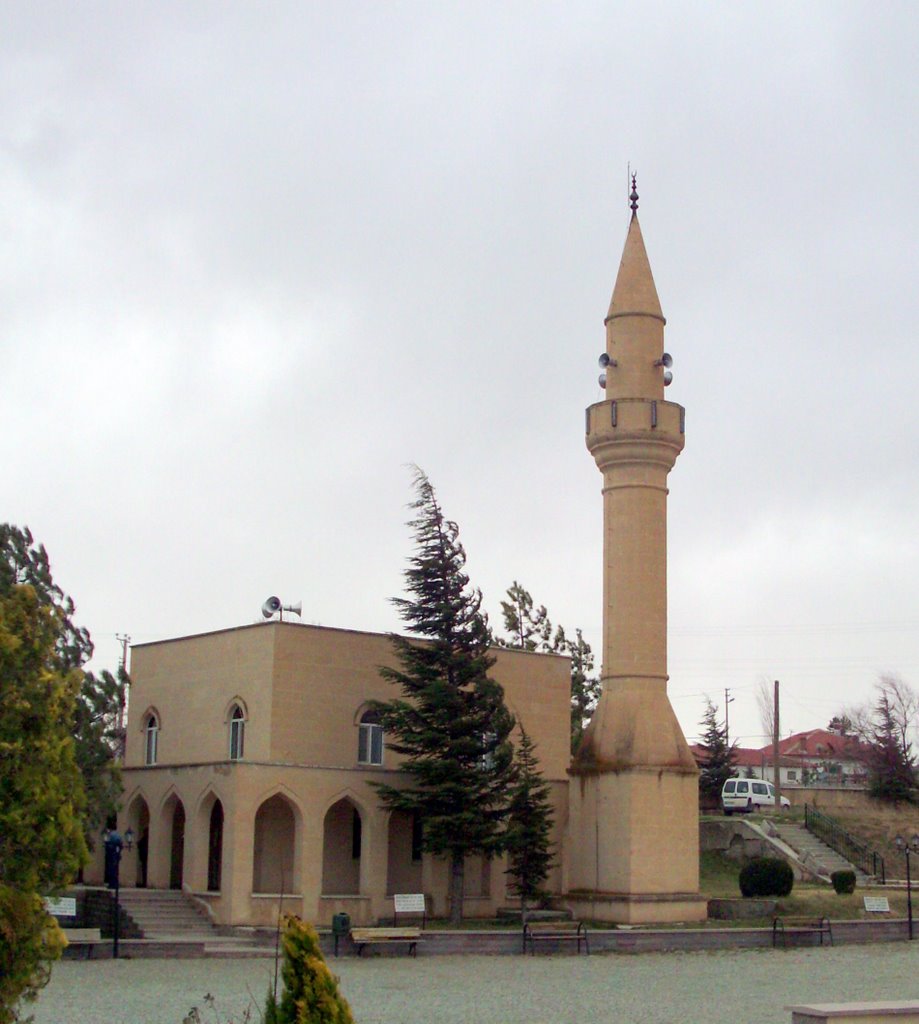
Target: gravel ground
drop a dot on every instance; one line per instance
(730, 987)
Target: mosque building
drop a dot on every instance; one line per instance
(251, 751)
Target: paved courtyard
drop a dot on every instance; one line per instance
(729, 987)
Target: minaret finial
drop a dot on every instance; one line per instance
(634, 196)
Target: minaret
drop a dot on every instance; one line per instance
(634, 823)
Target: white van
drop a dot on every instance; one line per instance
(744, 795)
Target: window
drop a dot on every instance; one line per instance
(487, 760)
(792, 775)
(760, 788)
(237, 733)
(151, 735)
(370, 739)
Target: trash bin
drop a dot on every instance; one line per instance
(341, 925)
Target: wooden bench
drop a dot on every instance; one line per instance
(786, 926)
(853, 1013)
(554, 931)
(386, 936)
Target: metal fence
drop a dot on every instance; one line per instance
(844, 843)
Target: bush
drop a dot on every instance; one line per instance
(310, 993)
(843, 882)
(766, 876)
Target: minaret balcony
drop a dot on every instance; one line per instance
(635, 430)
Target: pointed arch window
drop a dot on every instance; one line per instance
(237, 733)
(151, 738)
(370, 739)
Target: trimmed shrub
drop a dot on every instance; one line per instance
(766, 876)
(843, 881)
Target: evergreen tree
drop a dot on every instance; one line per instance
(451, 723)
(891, 765)
(310, 993)
(529, 824)
(41, 792)
(585, 687)
(720, 758)
(530, 630)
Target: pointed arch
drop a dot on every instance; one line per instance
(137, 818)
(277, 842)
(342, 847)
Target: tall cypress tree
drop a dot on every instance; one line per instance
(529, 825)
(451, 723)
(720, 756)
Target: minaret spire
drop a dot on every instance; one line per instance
(634, 196)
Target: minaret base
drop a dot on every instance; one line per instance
(616, 908)
(634, 858)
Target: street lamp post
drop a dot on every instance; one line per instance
(113, 847)
(908, 848)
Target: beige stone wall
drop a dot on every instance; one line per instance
(191, 683)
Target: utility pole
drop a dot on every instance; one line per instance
(728, 699)
(776, 775)
(124, 640)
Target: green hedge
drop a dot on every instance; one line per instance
(766, 876)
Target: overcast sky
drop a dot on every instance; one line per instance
(257, 258)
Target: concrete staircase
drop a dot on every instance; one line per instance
(169, 917)
(814, 853)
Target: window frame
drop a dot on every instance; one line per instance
(237, 735)
(370, 739)
(151, 738)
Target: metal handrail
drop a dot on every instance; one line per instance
(844, 843)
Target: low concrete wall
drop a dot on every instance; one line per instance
(633, 940)
(828, 798)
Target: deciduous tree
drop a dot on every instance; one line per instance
(95, 726)
(451, 722)
(41, 791)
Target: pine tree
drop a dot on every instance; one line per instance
(530, 630)
(891, 765)
(585, 687)
(529, 825)
(310, 993)
(451, 724)
(720, 758)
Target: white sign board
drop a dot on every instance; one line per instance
(63, 906)
(409, 902)
(877, 904)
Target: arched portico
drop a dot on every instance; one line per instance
(276, 844)
(342, 848)
(137, 818)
